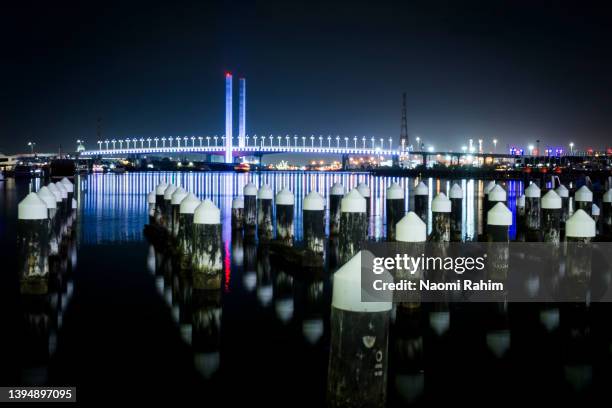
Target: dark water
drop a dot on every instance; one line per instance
(122, 324)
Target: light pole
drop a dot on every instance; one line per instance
(320, 141)
(247, 139)
(99, 145)
(287, 140)
(31, 144)
(311, 140)
(418, 140)
(479, 145)
(163, 139)
(200, 140)
(355, 141)
(382, 146)
(106, 144)
(390, 144)
(345, 142)
(178, 142)
(571, 145)
(372, 139)
(216, 138)
(271, 140)
(303, 141)
(121, 143)
(170, 139)
(149, 142)
(329, 141)
(113, 142)
(363, 140)
(222, 140)
(295, 138)
(337, 142)
(494, 145)
(134, 143)
(156, 139)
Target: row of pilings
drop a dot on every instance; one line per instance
(46, 260)
(357, 327)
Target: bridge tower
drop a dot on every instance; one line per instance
(228, 118)
(404, 129)
(242, 113)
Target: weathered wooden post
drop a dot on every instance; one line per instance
(250, 209)
(175, 209)
(237, 213)
(364, 190)
(532, 212)
(151, 207)
(285, 203)
(563, 192)
(357, 329)
(607, 213)
(551, 217)
(579, 231)
(207, 252)
(185, 232)
(314, 222)
(160, 207)
(440, 210)
(335, 199)
(33, 245)
(265, 228)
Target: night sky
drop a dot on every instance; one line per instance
(506, 70)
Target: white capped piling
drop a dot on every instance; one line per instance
(353, 225)
(33, 245)
(151, 206)
(395, 208)
(207, 248)
(488, 186)
(175, 209)
(313, 222)
(456, 217)
(184, 237)
(335, 201)
(69, 188)
(583, 198)
(285, 204)
(563, 192)
(265, 228)
(357, 329)
(499, 220)
(250, 208)
(412, 231)
(54, 226)
(237, 213)
(160, 205)
(64, 208)
(58, 196)
(168, 205)
(532, 212)
(579, 231)
(411, 228)
(580, 227)
(520, 213)
(496, 195)
(365, 192)
(607, 213)
(440, 210)
(421, 198)
(551, 217)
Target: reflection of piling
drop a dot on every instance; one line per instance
(607, 214)
(583, 199)
(207, 249)
(168, 205)
(160, 207)
(353, 225)
(250, 209)
(175, 204)
(440, 213)
(335, 199)
(313, 221)
(563, 192)
(206, 334)
(357, 329)
(579, 230)
(285, 203)
(551, 217)
(237, 213)
(395, 208)
(532, 212)
(151, 206)
(456, 217)
(421, 197)
(264, 213)
(185, 231)
(33, 245)
(365, 192)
